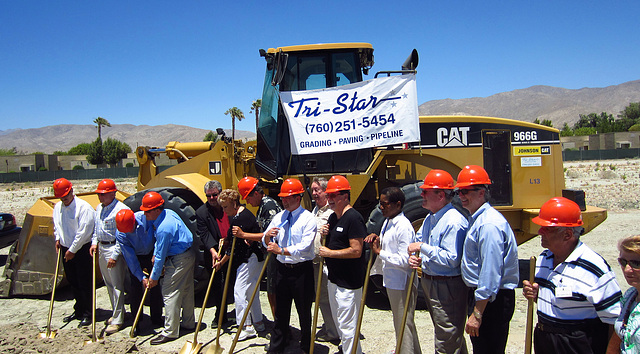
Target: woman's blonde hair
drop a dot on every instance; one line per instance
(229, 195)
(630, 244)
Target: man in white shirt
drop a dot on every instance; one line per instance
(73, 222)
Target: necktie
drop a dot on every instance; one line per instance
(288, 231)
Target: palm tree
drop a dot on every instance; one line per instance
(235, 112)
(100, 122)
(255, 107)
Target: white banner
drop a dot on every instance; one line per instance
(370, 113)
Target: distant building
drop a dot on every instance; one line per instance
(606, 141)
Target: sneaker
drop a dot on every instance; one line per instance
(259, 326)
(112, 328)
(247, 332)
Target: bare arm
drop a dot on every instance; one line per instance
(353, 251)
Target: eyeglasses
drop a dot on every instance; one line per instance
(466, 191)
(212, 195)
(632, 262)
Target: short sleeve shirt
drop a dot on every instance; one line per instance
(346, 273)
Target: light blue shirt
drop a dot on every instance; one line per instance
(172, 238)
(296, 236)
(105, 225)
(442, 235)
(490, 258)
(137, 242)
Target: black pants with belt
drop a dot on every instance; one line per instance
(591, 336)
(293, 283)
(78, 272)
(155, 293)
(494, 328)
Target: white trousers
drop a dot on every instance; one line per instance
(246, 281)
(325, 308)
(114, 279)
(397, 299)
(177, 293)
(344, 308)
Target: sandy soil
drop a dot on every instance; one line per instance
(609, 184)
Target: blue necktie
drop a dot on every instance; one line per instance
(288, 231)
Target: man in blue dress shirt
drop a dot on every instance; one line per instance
(489, 264)
(136, 244)
(173, 252)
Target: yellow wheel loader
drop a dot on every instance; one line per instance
(524, 160)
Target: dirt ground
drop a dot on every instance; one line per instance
(608, 184)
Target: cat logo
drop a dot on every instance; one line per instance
(453, 137)
(215, 167)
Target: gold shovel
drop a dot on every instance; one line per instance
(194, 347)
(246, 312)
(94, 339)
(217, 349)
(406, 308)
(132, 333)
(530, 308)
(49, 333)
(362, 302)
(315, 310)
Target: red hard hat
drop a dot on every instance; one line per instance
(106, 186)
(61, 187)
(438, 179)
(337, 183)
(151, 200)
(559, 211)
(125, 220)
(471, 175)
(246, 185)
(291, 186)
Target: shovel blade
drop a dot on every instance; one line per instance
(215, 349)
(191, 348)
(50, 335)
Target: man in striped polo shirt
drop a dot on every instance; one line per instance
(577, 293)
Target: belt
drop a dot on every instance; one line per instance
(294, 265)
(555, 329)
(107, 242)
(440, 277)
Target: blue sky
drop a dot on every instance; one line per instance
(187, 62)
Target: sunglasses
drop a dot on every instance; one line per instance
(633, 263)
(212, 195)
(466, 191)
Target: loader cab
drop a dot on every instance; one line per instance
(307, 67)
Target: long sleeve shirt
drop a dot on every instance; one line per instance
(73, 224)
(442, 235)
(296, 234)
(490, 258)
(397, 234)
(138, 242)
(172, 236)
(321, 215)
(105, 225)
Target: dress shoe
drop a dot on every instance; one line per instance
(267, 349)
(85, 321)
(70, 318)
(112, 328)
(108, 322)
(161, 340)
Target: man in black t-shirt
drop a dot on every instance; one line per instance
(345, 260)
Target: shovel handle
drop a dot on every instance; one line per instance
(138, 313)
(356, 340)
(317, 304)
(406, 308)
(205, 300)
(530, 308)
(53, 292)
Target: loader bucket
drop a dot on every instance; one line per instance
(32, 258)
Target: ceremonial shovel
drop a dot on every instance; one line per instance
(362, 303)
(217, 349)
(132, 333)
(406, 307)
(194, 347)
(94, 339)
(49, 333)
(530, 308)
(315, 310)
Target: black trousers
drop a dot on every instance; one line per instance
(494, 328)
(78, 272)
(155, 293)
(293, 283)
(590, 337)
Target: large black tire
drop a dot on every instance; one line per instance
(185, 203)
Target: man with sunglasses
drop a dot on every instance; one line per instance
(441, 238)
(212, 226)
(489, 264)
(576, 290)
(345, 260)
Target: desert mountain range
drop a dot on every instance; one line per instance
(544, 102)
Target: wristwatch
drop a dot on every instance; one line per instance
(477, 314)
(282, 251)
